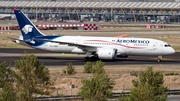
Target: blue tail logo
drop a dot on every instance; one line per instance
(29, 31)
(27, 28)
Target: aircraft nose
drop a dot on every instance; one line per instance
(172, 51)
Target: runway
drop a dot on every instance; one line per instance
(56, 59)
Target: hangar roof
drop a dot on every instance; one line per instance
(145, 5)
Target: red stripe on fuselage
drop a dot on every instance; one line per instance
(115, 43)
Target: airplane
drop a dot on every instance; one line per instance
(103, 48)
(7, 16)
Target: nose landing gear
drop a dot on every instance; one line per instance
(159, 58)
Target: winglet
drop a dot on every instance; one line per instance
(122, 35)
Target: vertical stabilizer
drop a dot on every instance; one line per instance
(28, 29)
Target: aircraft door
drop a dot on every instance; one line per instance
(161, 47)
(155, 45)
(78, 40)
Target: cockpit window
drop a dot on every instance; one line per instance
(167, 45)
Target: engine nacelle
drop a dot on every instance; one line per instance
(106, 53)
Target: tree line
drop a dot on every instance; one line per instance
(30, 77)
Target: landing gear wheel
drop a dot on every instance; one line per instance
(86, 59)
(159, 60)
(93, 58)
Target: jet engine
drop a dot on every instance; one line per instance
(106, 53)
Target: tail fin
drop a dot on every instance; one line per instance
(28, 29)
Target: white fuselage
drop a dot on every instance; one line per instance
(124, 46)
(94, 47)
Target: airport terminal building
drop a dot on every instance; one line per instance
(119, 11)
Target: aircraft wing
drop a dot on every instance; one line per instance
(79, 45)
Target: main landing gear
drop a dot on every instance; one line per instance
(159, 58)
(92, 58)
